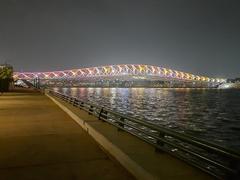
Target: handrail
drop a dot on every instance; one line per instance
(220, 162)
(185, 137)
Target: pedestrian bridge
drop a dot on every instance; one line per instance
(117, 74)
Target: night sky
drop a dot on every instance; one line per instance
(196, 36)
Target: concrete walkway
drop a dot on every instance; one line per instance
(39, 141)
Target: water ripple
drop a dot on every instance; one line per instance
(209, 114)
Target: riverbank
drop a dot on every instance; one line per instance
(40, 141)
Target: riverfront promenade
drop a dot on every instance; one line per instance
(39, 141)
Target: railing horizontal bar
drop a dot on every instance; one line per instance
(176, 146)
(187, 138)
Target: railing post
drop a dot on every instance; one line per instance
(81, 105)
(102, 114)
(74, 102)
(159, 142)
(121, 124)
(90, 110)
(65, 98)
(99, 116)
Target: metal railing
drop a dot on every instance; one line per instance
(218, 161)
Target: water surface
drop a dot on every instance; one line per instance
(209, 114)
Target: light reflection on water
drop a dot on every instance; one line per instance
(209, 114)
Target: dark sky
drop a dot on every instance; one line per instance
(197, 36)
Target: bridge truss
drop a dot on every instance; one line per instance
(128, 71)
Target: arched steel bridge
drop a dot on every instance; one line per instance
(128, 71)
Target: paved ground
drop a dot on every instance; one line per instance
(39, 141)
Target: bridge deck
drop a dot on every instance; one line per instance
(40, 141)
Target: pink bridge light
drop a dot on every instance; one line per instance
(134, 70)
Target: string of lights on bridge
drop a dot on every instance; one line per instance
(135, 70)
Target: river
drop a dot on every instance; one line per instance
(209, 114)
